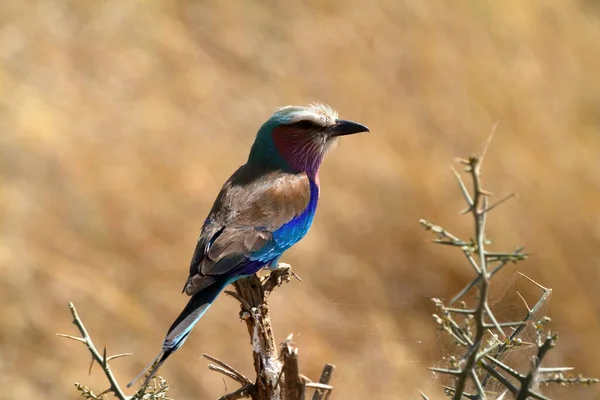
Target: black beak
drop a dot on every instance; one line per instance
(344, 127)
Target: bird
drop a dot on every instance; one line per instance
(263, 209)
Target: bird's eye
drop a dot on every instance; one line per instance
(305, 124)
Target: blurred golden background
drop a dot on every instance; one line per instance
(120, 121)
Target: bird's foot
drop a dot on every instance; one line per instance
(282, 273)
(286, 268)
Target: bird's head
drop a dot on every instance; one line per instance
(299, 137)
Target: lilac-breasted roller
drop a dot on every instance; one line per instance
(265, 207)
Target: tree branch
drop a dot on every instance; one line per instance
(481, 335)
(101, 359)
(276, 377)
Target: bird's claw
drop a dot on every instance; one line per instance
(280, 274)
(287, 268)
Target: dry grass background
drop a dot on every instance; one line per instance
(120, 120)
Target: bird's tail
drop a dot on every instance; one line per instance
(152, 367)
(181, 328)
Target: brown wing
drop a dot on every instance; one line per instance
(252, 204)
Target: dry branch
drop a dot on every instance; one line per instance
(101, 359)
(276, 377)
(481, 335)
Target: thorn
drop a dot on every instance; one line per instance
(463, 188)
(486, 146)
(295, 275)
(524, 302)
(91, 366)
(545, 289)
(496, 204)
(118, 356)
(82, 340)
(225, 385)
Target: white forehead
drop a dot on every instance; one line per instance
(320, 114)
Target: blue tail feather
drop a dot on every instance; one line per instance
(181, 328)
(191, 314)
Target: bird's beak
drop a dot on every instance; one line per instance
(344, 127)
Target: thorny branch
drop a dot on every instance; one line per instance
(101, 359)
(481, 335)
